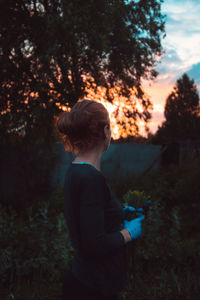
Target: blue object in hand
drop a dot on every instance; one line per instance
(134, 226)
(126, 209)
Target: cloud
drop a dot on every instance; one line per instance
(183, 29)
(181, 46)
(182, 53)
(169, 65)
(194, 73)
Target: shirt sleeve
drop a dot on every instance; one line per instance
(94, 240)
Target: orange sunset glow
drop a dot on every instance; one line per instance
(119, 103)
(179, 57)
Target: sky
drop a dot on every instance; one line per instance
(182, 53)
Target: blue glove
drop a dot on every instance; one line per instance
(126, 209)
(134, 226)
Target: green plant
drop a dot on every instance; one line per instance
(164, 262)
(35, 249)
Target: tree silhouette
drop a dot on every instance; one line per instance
(182, 110)
(52, 50)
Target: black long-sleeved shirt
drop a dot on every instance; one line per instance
(95, 217)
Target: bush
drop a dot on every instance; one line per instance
(35, 250)
(26, 173)
(164, 262)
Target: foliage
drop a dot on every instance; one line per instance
(182, 109)
(35, 248)
(135, 198)
(26, 172)
(162, 257)
(162, 264)
(52, 52)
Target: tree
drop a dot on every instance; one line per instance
(182, 112)
(54, 51)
